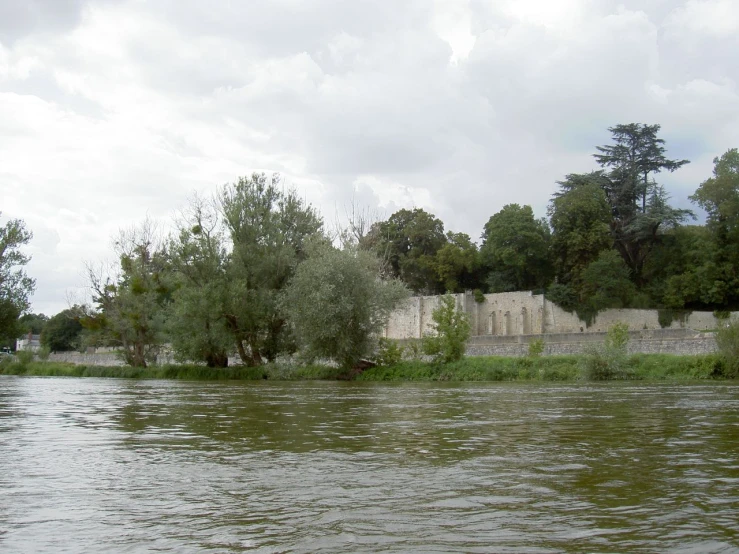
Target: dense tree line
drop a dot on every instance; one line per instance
(611, 239)
(254, 271)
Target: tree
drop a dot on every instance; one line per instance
(515, 250)
(197, 325)
(270, 229)
(712, 277)
(450, 332)
(409, 241)
(719, 195)
(579, 216)
(606, 283)
(32, 323)
(62, 331)
(639, 206)
(131, 299)
(337, 305)
(458, 263)
(15, 286)
(681, 271)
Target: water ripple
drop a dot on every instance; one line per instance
(123, 466)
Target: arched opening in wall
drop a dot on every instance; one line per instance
(525, 322)
(508, 324)
(491, 324)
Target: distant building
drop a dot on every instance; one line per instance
(29, 342)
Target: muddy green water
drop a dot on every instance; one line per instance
(94, 465)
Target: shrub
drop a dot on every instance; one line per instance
(609, 361)
(43, 353)
(414, 349)
(727, 339)
(617, 337)
(389, 352)
(452, 329)
(536, 348)
(24, 357)
(479, 296)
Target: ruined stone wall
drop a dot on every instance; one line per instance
(524, 313)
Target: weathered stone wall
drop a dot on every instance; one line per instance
(524, 313)
(510, 313)
(98, 359)
(559, 321)
(107, 358)
(686, 346)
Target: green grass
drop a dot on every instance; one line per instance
(490, 368)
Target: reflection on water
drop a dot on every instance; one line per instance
(131, 466)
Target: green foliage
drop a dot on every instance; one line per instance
(389, 352)
(197, 322)
(580, 218)
(515, 250)
(479, 296)
(337, 305)
(493, 368)
(24, 357)
(563, 296)
(131, 302)
(536, 348)
(15, 286)
(606, 283)
(727, 339)
(414, 349)
(666, 316)
(457, 263)
(32, 323)
(451, 331)
(617, 337)
(63, 331)
(716, 281)
(638, 204)
(610, 361)
(722, 314)
(270, 230)
(408, 242)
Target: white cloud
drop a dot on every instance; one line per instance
(118, 109)
(705, 17)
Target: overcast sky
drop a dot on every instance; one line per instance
(111, 110)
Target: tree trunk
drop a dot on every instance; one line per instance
(217, 359)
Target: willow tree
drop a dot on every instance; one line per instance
(337, 304)
(197, 325)
(131, 296)
(270, 228)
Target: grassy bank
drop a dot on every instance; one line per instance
(493, 368)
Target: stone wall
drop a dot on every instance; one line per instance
(94, 359)
(504, 314)
(687, 346)
(107, 358)
(524, 313)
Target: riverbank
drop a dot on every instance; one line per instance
(491, 368)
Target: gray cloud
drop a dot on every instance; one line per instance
(114, 110)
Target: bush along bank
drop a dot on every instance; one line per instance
(596, 366)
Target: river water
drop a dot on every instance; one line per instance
(105, 465)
